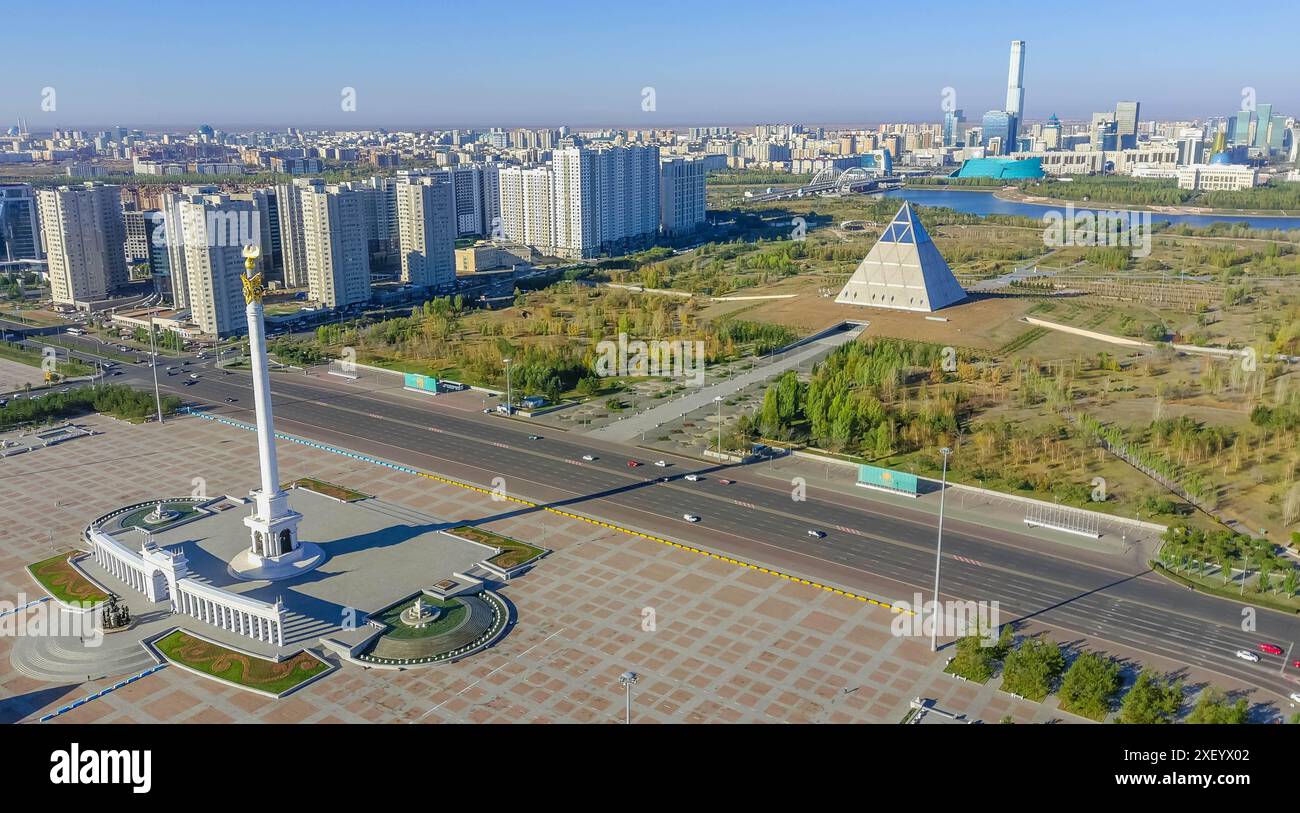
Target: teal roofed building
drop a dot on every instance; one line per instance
(1002, 168)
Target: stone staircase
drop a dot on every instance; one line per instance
(68, 660)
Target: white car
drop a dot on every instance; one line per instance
(1247, 655)
(661, 463)
(588, 458)
(694, 478)
(690, 518)
(1295, 697)
(816, 534)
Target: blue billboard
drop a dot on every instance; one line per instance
(887, 479)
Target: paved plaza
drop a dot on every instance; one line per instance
(712, 642)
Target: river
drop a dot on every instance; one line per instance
(986, 203)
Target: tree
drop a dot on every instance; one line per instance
(1153, 699)
(1213, 707)
(1089, 685)
(1032, 668)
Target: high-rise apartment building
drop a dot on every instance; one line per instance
(214, 229)
(426, 215)
(85, 239)
(606, 200)
(467, 191)
(293, 253)
(137, 238)
(527, 207)
(336, 244)
(681, 195)
(20, 229)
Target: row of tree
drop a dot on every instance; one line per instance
(113, 399)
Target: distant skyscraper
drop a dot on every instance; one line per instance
(85, 238)
(20, 230)
(1016, 79)
(999, 124)
(1239, 128)
(336, 244)
(1263, 116)
(952, 122)
(426, 214)
(1103, 131)
(1126, 125)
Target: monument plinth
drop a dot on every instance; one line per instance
(274, 550)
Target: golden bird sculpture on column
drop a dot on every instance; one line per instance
(252, 278)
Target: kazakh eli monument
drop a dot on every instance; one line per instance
(276, 573)
(903, 271)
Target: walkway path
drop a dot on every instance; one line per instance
(633, 426)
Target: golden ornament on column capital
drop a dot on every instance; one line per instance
(251, 278)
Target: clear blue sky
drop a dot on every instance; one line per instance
(442, 63)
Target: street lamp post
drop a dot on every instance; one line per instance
(507, 363)
(938, 553)
(153, 361)
(627, 680)
(717, 399)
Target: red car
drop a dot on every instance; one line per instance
(1296, 664)
(726, 482)
(1272, 649)
(632, 464)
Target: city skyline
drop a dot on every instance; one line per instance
(760, 71)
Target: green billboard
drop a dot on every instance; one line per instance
(888, 479)
(421, 383)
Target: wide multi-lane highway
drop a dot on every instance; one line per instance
(870, 547)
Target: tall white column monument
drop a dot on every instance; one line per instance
(273, 526)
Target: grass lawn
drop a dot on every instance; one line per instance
(237, 667)
(135, 519)
(63, 582)
(953, 669)
(1214, 586)
(32, 358)
(453, 612)
(513, 553)
(328, 489)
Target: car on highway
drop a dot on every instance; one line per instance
(816, 534)
(1270, 649)
(661, 463)
(632, 464)
(1247, 655)
(694, 478)
(534, 437)
(724, 481)
(588, 457)
(231, 400)
(690, 518)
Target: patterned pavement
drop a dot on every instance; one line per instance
(712, 642)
